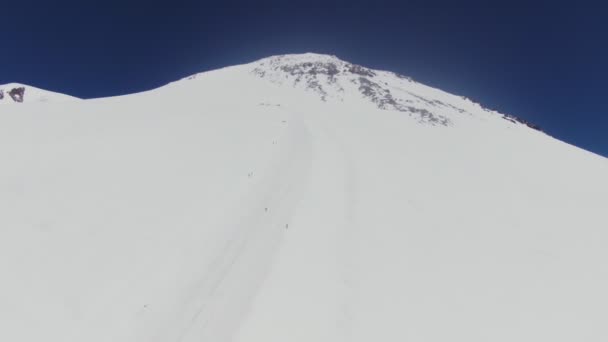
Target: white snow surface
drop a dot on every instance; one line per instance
(258, 203)
(32, 94)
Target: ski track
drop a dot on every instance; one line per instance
(257, 234)
(330, 283)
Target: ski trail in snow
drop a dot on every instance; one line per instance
(222, 299)
(325, 307)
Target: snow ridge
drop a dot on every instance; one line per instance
(21, 93)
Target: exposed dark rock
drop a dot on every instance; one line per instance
(1, 94)
(515, 119)
(330, 69)
(384, 100)
(427, 116)
(313, 69)
(436, 103)
(359, 70)
(407, 78)
(316, 86)
(321, 76)
(534, 126)
(508, 118)
(17, 94)
(376, 93)
(307, 73)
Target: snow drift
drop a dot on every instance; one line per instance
(296, 198)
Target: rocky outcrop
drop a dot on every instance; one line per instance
(383, 98)
(329, 77)
(17, 94)
(515, 119)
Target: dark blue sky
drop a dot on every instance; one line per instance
(546, 62)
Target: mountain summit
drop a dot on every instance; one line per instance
(334, 80)
(296, 198)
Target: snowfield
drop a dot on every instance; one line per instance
(296, 198)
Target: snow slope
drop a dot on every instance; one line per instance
(21, 93)
(296, 198)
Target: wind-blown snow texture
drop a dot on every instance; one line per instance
(296, 198)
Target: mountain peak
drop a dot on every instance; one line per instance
(302, 58)
(333, 79)
(312, 63)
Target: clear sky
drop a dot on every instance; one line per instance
(543, 61)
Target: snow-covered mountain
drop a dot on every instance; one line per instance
(296, 198)
(21, 93)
